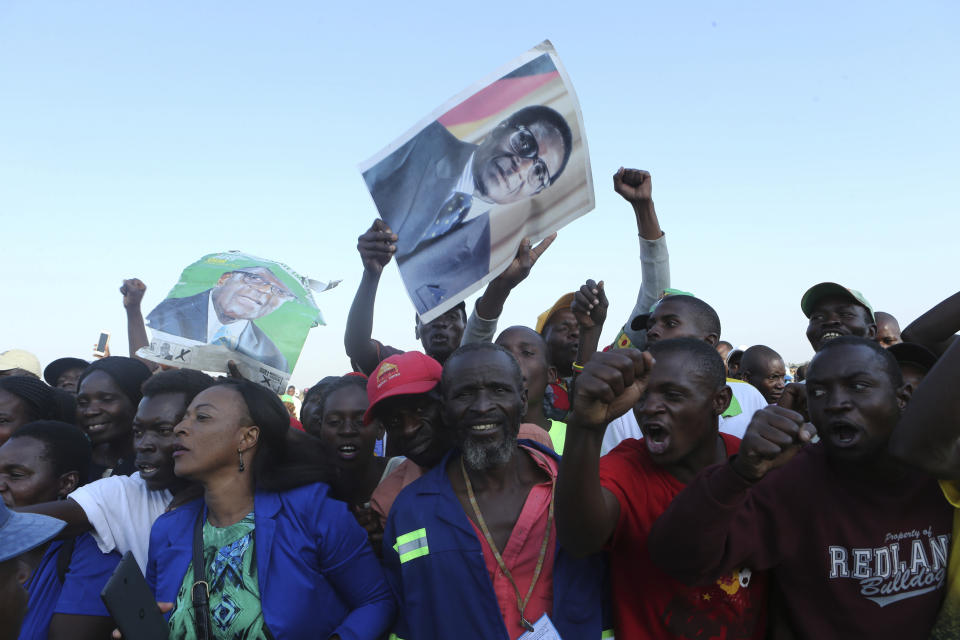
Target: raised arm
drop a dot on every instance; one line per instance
(935, 329)
(635, 186)
(716, 524)
(133, 290)
(590, 309)
(482, 323)
(608, 387)
(928, 433)
(376, 246)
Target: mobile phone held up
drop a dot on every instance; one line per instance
(102, 343)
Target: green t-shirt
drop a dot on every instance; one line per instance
(234, 594)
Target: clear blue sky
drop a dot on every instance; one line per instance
(789, 144)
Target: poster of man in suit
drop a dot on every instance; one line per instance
(235, 306)
(505, 160)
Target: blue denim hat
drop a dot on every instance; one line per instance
(21, 532)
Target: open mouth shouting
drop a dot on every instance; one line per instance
(656, 437)
(844, 434)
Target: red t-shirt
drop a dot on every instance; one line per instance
(647, 602)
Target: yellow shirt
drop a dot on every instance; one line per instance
(947, 626)
(558, 434)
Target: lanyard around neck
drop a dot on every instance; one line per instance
(521, 604)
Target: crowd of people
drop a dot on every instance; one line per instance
(531, 483)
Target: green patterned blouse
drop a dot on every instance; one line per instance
(234, 595)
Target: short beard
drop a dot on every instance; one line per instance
(480, 458)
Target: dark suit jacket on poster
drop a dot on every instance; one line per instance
(187, 317)
(409, 187)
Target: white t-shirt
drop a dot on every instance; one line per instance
(745, 397)
(122, 510)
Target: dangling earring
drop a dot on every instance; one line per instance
(240, 453)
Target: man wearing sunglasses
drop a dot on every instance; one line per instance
(436, 192)
(224, 314)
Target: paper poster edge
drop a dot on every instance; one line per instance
(535, 52)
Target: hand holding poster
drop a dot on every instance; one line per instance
(505, 160)
(233, 306)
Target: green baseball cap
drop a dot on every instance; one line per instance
(640, 320)
(667, 293)
(818, 292)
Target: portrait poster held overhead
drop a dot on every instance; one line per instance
(234, 306)
(505, 160)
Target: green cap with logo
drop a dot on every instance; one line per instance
(818, 292)
(667, 293)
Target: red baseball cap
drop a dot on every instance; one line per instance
(404, 374)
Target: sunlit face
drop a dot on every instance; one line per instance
(852, 401)
(14, 413)
(248, 295)
(672, 319)
(210, 434)
(515, 162)
(888, 330)
(105, 412)
(154, 438)
(530, 351)
(562, 335)
(835, 316)
(769, 378)
(484, 403)
(677, 412)
(26, 473)
(441, 336)
(415, 426)
(342, 430)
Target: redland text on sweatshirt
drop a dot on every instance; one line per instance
(855, 554)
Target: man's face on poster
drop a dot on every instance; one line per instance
(517, 161)
(248, 294)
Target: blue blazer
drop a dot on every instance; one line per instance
(439, 576)
(316, 571)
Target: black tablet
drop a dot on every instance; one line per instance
(131, 603)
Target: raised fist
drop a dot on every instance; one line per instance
(609, 385)
(590, 305)
(376, 246)
(633, 184)
(773, 437)
(132, 290)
